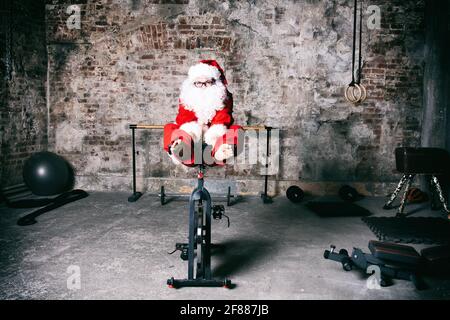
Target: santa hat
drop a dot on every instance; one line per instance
(209, 69)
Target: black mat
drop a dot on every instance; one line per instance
(330, 209)
(410, 230)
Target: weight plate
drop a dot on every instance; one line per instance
(295, 194)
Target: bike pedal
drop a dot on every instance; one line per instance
(183, 247)
(218, 211)
(184, 255)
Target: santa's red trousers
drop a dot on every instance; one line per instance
(193, 157)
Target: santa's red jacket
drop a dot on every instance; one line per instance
(222, 116)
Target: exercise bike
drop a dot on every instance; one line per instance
(198, 251)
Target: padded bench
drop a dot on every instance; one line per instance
(395, 253)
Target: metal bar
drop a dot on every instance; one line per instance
(134, 159)
(136, 195)
(256, 128)
(440, 193)
(206, 254)
(160, 126)
(146, 126)
(187, 195)
(404, 200)
(267, 165)
(264, 196)
(396, 191)
(192, 231)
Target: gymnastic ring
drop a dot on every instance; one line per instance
(364, 95)
(349, 94)
(352, 97)
(361, 95)
(357, 98)
(346, 95)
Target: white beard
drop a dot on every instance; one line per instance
(203, 101)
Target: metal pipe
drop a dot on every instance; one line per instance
(266, 177)
(160, 126)
(134, 159)
(187, 195)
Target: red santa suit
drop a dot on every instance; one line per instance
(204, 116)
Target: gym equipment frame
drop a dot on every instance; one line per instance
(198, 250)
(362, 261)
(431, 162)
(163, 195)
(408, 179)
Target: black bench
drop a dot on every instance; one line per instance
(395, 261)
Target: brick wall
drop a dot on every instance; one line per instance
(23, 110)
(287, 63)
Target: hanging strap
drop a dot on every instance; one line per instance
(360, 94)
(358, 81)
(354, 43)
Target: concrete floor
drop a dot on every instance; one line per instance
(272, 251)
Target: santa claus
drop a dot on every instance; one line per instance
(204, 116)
